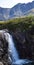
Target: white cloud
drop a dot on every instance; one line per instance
(11, 3)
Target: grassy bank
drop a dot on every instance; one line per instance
(24, 23)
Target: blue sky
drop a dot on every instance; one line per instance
(11, 3)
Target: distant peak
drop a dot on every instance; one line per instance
(20, 3)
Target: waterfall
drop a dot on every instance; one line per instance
(12, 50)
(11, 47)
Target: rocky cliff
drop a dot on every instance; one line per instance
(3, 50)
(24, 42)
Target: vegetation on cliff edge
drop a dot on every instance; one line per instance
(24, 23)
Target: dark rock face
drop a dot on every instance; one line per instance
(3, 50)
(24, 43)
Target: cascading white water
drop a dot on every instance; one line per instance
(12, 49)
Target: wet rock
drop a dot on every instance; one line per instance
(24, 43)
(3, 50)
(1, 63)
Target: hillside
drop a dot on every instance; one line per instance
(17, 11)
(15, 23)
(30, 12)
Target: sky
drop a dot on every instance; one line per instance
(11, 3)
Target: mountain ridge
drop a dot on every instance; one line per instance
(17, 11)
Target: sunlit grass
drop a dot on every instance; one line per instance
(26, 19)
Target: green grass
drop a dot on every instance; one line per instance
(23, 23)
(17, 20)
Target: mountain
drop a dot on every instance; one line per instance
(17, 11)
(4, 13)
